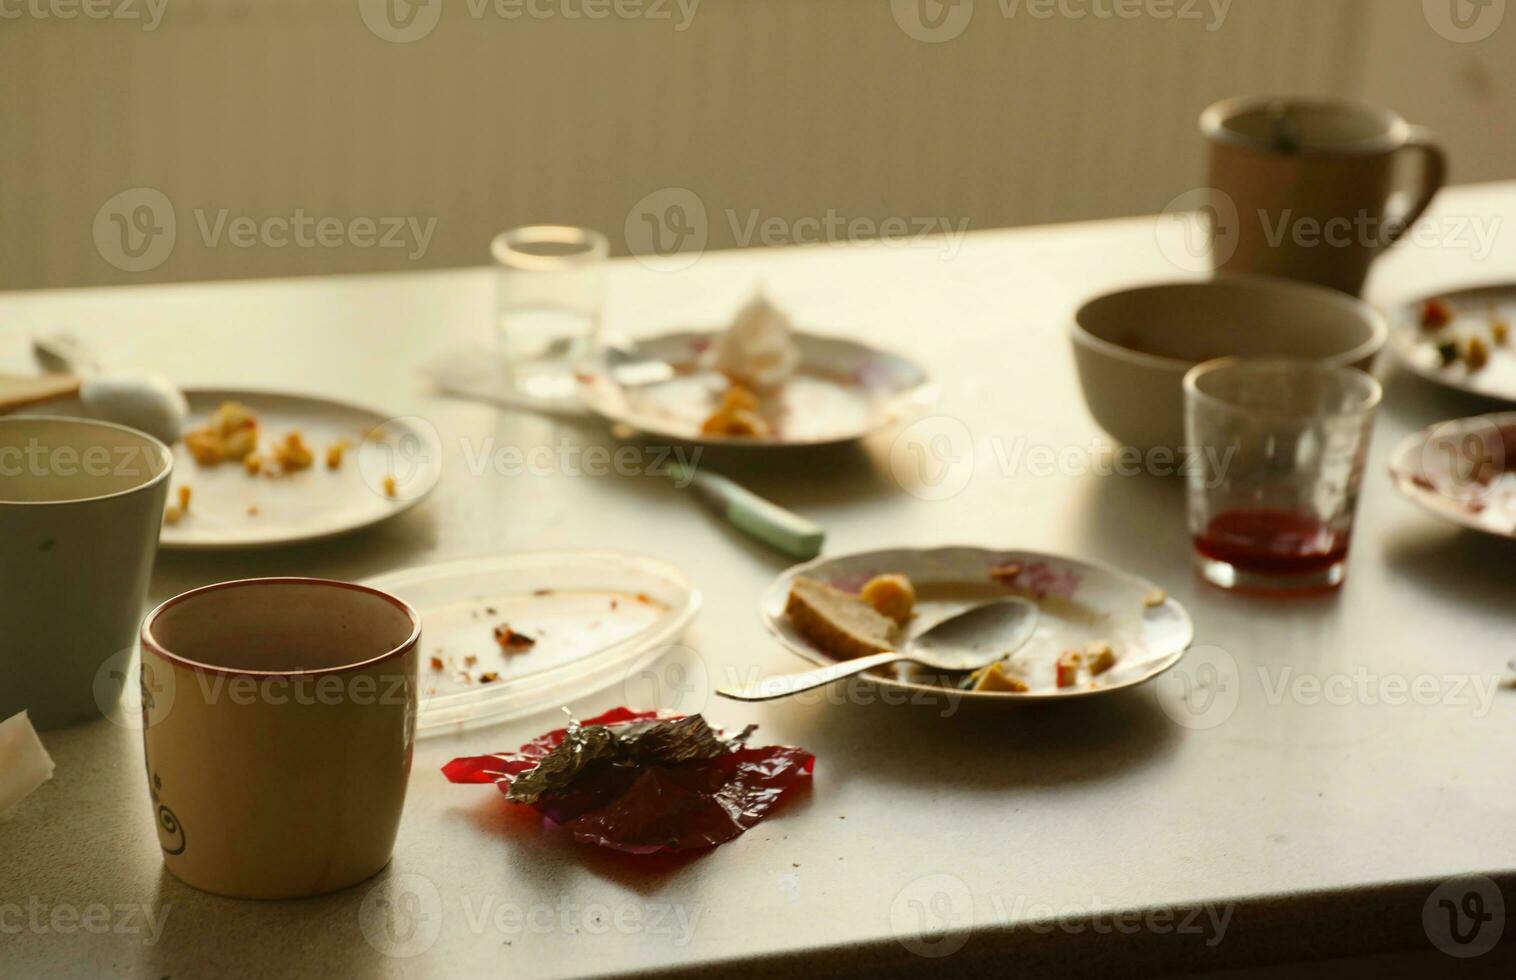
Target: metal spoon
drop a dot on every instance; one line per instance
(973, 639)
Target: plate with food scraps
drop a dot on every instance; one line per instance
(259, 469)
(1463, 471)
(508, 635)
(1098, 629)
(840, 391)
(1461, 339)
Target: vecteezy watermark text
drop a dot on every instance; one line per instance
(935, 21)
(137, 229)
(403, 21)
(38, 918)
(149, 12)
(568, 458)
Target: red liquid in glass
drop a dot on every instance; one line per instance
(1272, 542)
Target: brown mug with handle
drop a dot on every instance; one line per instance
(1307, 188)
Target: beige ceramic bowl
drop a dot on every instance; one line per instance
(1133, 347)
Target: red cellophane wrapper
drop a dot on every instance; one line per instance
(643, 781)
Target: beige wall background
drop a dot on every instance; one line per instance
(185, 116)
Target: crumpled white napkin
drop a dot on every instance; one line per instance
(24, 763)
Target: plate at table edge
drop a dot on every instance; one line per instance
(1406, 336)
(295, 404)
(599, 392)
(1169, 614)
(1403, 475)
(440, 713)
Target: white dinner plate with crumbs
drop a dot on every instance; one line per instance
(1463, 471)
(1079, 604)
(379, 467)
(841, 391)
(1462, 339)
(512, 634)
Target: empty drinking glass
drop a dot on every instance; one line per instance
(1280, 447)
(548, 293)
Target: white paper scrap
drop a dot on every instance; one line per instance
(24, 763)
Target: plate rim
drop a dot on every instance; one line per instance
(899, 407)
(1423, 498)
(400, 506)
(808, 653)
(1402, 330)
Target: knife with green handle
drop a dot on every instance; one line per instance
(768, 522)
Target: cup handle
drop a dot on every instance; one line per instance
(1434, 171)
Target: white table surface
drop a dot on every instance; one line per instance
(1325, 824)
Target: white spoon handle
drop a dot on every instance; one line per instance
(784, 685)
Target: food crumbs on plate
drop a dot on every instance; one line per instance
(614, 604)
(1476, 355)
(334, 454)
(253, 463)
(1435, 314)
(470, 660)
(231, 433)
(994, 678)
(542, 592)
(172, 514)
(436, 663)
(642, 597)
(1007, 573)
(489, 610)
(389, 487)
(292, 453)
(1101, 657)
(488, 677)
(511, 641)
(891, 595)
(184, 497)
(1500, 331)
(1157, 597)
(737, 415)
(1447, 353)
(1068, 668)
(252, 511)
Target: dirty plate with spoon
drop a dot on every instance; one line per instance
(1080, 606)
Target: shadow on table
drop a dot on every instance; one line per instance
(1416, 403)
(528, 837)
(986, 747)
(1459, 566)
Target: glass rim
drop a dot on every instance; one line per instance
(506, 247)
(1373, 390)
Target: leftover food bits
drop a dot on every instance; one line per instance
(892, 596)
(1100, 656)
(292, 454)
(334, 454)
(390, 488)
(996, 678)
(737, 415)
(175, 512)
(839, 623)
(1435, 314)
(644, 782)
(231, 433)
(1067, 668)
(512, 642)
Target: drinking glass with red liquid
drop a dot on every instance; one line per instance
(1281, 446)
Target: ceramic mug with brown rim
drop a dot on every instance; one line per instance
(278, 722)
(1307, 188)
